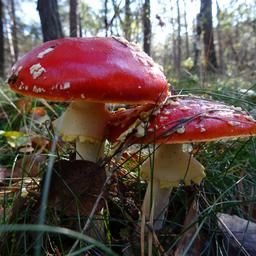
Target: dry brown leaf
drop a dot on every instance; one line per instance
(40, 143)
(75, 187)
(240, 234)
(190, 219)
(28, 165)
(3, 173)
(24, 105)
(1, 211)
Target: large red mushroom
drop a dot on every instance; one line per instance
(88, 72)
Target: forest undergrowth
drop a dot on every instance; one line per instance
(32, 224)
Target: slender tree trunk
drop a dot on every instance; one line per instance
(50, 19)
(112, 24)
(219, 37)
(14, 30)
(197, 49)
(106, 17)
(186, 29)
(178, 64)
(206, 21)
(80, 26)
(2, 59)
(127, 20)
(174, 41)
(137, 31)
(197, 41)
(73, 18)
(146, 27)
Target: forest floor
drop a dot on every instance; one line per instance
(194, 223)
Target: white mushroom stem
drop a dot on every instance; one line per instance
(86, 123)
(158, 199)
(91, 151)
(171, 166)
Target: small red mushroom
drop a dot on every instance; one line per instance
(88, 72)
(180, 120)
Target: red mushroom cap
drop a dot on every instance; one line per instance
(182, 120)
(94, 69)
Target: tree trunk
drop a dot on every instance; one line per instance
(73, 18)
(174, 41)
(197, 41)
(112, 24)
(197, 50)
(206, 22)
(106, 17)
(186, 29)
(14, 30)
(50, 19)
(127, 20)
(80, 25)
(1, 39)
(220, 46)
(178, 63)
(146, 27)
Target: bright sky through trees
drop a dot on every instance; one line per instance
(160, 7)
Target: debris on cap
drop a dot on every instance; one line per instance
(184, 120)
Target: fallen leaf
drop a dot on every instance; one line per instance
(24, 105)
(41, 143)
(3, 115)
(185, 241)
(26, 149)
(16, 139)
(240, 234)
(3, 173)
(28, 165)
(75, 187)
(1, 211)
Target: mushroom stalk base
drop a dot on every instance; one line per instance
(172, 167)
(89, 151)
(158, 199)
(85, 122)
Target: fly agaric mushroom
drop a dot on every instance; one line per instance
(88, 72)
(179, 120)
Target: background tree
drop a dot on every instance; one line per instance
(13, 34)
(73, 18)
(106, 17)
(174, 39)
(50, 19)
(197, 41)
(127, 20)
(90, 21)
(219, 37)
(179, 41)
(235, 40)
(208, 37)
(186, 30)
(146, 27)
(1, 40)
